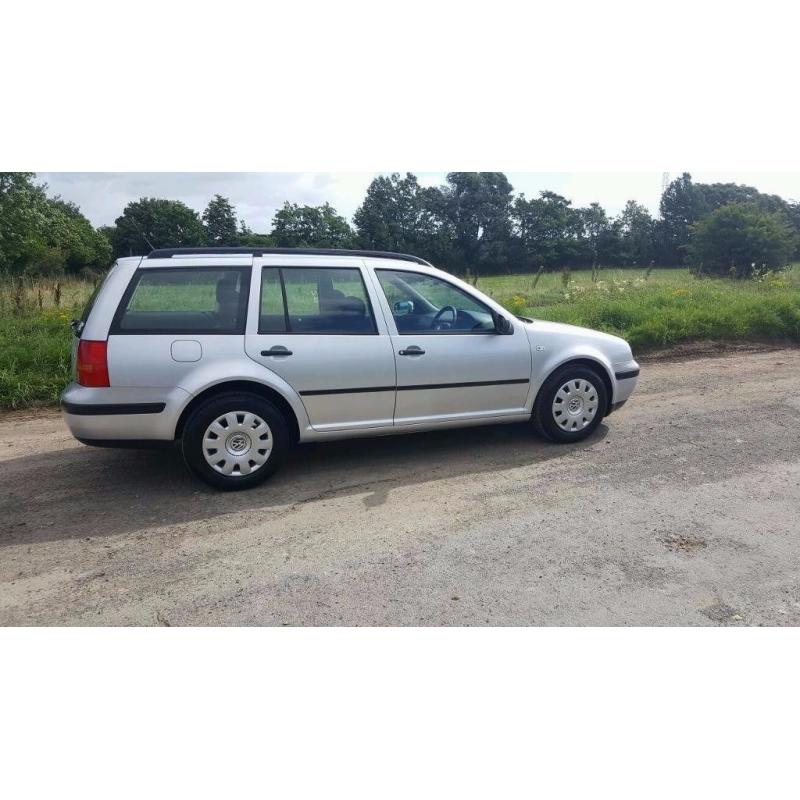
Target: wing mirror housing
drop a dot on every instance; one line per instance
(502, 325)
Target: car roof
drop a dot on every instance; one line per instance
(265, 251)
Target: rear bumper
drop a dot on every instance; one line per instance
(126, 415)
(110, 409)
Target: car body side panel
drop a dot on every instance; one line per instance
(489, 373)
(155, 368)
(149, 426)
(327, 370)
(553, 345)
(208, 376)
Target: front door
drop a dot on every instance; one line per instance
(316, 329)
(451, 364)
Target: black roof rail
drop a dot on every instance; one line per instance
(281, 251)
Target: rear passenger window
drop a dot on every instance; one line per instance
(332, 301)
(185, 300)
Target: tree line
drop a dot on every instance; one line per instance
(474, 223)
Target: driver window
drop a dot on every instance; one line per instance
(425, 304)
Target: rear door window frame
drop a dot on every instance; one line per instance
(244, 295)
(287, 321)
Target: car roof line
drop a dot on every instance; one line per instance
(284, 251)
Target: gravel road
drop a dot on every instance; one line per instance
(682, 509)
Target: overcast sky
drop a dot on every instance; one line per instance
(257, 195)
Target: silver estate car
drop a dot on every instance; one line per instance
(236, 354)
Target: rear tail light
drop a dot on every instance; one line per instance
(91, 365)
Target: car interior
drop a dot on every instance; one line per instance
(315, 305)
(415, 313)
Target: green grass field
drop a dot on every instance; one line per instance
(668, 307)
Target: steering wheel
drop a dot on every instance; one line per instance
(438, 324)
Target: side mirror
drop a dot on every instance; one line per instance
(502, 325)
(403, 307)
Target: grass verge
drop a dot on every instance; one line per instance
(669, 307)
(35, 360)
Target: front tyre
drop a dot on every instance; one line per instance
(571, 404)
(235, 441)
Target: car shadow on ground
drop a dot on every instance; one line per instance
(80, 492)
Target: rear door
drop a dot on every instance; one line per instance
(313, 323)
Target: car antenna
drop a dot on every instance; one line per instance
(142, 234)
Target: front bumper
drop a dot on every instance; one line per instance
(106, 415)
(626, 376)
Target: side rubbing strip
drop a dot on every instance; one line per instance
(82, 409)
(620, 376)
(312, 392)
(460, 385)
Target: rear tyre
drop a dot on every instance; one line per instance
(235, 441)
(571, 404)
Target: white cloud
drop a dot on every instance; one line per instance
(257, 195)
(103, 195)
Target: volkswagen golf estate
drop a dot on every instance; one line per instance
(237, 354)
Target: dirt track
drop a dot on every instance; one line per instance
(683, 508)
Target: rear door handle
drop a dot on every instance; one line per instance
(278, 350)
(412, 351)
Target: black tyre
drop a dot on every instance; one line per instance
(235, 441)
(571, 404)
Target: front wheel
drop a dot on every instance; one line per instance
(571, 404)
(235, 441)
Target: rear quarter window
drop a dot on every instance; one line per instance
(184, 300)
(87, 309)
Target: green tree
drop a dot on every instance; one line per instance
(247, 238)
(479, 214)
(682, 204)
(546, 230)
(793, 215)
(737, 238)
(636, 231)
(23, 217)
(154, 222)
(311, 226)
(598, 235)
(41, 234)
(721, 194)
(393, 214)
(220, 222)
(72, 234)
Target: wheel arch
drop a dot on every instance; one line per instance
(585, 361)
(253, 387)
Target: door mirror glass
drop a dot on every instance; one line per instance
(403, 307)
(502, 325)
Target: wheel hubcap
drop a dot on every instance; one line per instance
(237, 443)
(575, 405)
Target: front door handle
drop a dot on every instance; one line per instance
(412, 351)
(278, 350)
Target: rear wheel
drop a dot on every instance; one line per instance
(571, 404)
(235, 441)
